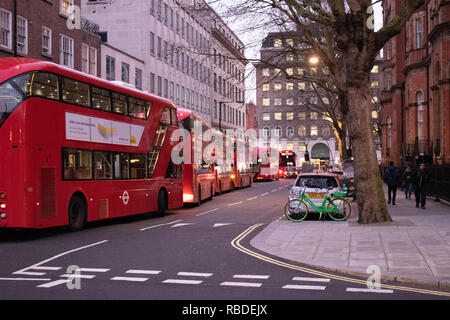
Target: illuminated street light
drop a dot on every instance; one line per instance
(314, 60)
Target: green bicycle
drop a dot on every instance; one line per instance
(337, 207)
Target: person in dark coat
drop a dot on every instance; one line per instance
(420, 180)
(407, 181)
(391, 177)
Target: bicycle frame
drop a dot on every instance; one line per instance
(322, 209)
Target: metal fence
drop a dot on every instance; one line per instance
(439, 185)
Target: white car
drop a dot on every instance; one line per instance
(317, 186)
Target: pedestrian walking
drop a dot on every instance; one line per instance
(420, 180)
(391, 177)
(407, 181)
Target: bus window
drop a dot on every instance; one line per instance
(103, 165)
(121, 166)
(160, 136)
(136, 108)
(119, 102)
(77, 164)
(138, 166)
(101, 99)
(45, 85)
(174, 117)
(75, 92)
(10, 97)
(165, 117)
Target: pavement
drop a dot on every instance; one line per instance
(413, 249)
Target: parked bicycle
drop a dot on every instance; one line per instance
(335, 205)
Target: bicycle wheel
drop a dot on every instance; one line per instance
(296, 210)
(343, 209)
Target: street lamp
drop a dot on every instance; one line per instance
(314, 60)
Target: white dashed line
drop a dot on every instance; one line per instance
(77, 276)
(200, 214)
(143, 271)
(264, 194)
(311, 279)
(131, 279)
(92, 270)
(250, 276)
(180, 225)
(47, 268)
(233, 204)
(369, 290)
(160, 225)
(241, 284)
(194, 274)
(302, 287)
(53, 283)
(179, 281)
(252, 198)
(24, 279)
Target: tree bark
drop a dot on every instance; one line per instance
(369, 187)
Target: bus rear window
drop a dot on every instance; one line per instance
(11, 96)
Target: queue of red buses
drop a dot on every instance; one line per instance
(75, 148)
(208, 177)
(287, 159)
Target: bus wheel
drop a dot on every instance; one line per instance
(162, 202)
(77, 213)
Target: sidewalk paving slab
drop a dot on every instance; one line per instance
(412, 249)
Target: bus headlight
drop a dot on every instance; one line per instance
(3, 205)
(2, 215)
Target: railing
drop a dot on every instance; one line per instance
(90, 26)
(439, 184)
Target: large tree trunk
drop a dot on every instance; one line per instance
(369, 187)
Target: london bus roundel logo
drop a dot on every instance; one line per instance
(125, 197)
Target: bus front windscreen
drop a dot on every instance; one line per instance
(10, 97)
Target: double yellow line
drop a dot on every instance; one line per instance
(236, 243)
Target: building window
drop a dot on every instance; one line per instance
(66, 6)
(5, 29)
(110, 68)
(290, 71)
(277, 72)
(159, 47)
(302, 115)
(326, 132)
(277, 101)
(289, 57)
(152, 82)
(278, 116)
(290, 86)
(84, 58)
(374, 114)
(266, 102)
(314, 131)
(290, 42)
(302, 131)
(290, 131)
(66, 51)
(388, 50)
(138, 78)
(290, 101)
(125, 72)
(93, 61)
(301, 86)
(277, 87)
(22, 35)
(266, 72)
(420, 119)
(152, 43)
(313, 115)
(388, 81)
(46, 41)
(375, 69)
(289, 116)
(266, 87)
(277, 131)
(266, 132)
(277, 43)
(419, 33)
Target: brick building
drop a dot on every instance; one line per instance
(40, 29)
(251, 116)
(416, 97)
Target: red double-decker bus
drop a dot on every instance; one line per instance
(242, 164)
(287, 160)
(75, 148)
(199, 179)
(267, 167)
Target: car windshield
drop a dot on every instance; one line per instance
(323, 182)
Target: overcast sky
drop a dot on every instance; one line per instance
(253, 37)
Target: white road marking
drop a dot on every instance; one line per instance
(264, 194)
(233, 204)
(24, 272)
(53, 283)
(180, 225)
(143, 271)
(27, 273)
(24, 279)
(302, 287)
(132, 279)
(195, 274)
(311, 279)
(78, 276)
(179, 281)
(47, 268)
(252, 198)
(221, 224)
(92, 270)
(160, 225)
(200, 214)
(274, 190)
(369, 290)
(241, 284)
(250, 276)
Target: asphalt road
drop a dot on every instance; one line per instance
(188, 254)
